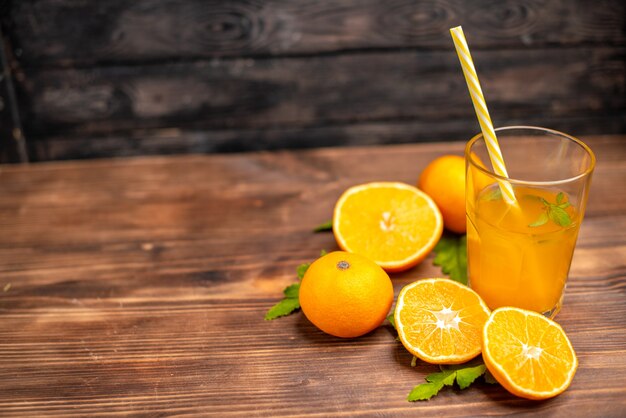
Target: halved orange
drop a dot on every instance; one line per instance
(527, 353)
(394, 224)
(440, 320)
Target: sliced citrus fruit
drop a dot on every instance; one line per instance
(393, 224)
(527, 353)
(345, 295)
(440, 320)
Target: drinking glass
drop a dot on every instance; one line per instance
(519, 253)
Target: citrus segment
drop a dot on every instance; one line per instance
(345, 295)
(443, 180)
(393, 224)
(528, 354)
(440, 320)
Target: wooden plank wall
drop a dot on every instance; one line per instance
(99, 79)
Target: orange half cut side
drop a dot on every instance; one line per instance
(528, 354)
(440, 321)
(394, 224)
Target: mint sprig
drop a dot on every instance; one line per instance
(553, 211)
(451, 256)
(291, 300)
(436, 381)
(463, 374)
(326, 226)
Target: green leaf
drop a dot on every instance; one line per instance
(424, 392)
(489, 378)
(282, 308)
(323, 253)
(436, 381)
(559, 216)
(451, 256)
(541, 220)
(302, 268)
(292, 291)
(445, 376)
(555, 212)
(494, 194)
(463, 374)
(466, 376)
(326, 226)
(391, 320)
(291, 301)
(559, 198)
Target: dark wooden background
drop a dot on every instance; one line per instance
(118, 77)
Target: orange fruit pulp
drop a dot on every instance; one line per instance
(527, 353)
(443, 179)
(345, 295)
(440, 321)
(394, 224)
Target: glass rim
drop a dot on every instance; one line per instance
(478, 136)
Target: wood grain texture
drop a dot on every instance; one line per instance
(114, 78)
(138, 286)
(189, 141)
(323, 91)
(74, 32)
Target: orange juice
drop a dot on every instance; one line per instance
(520, 255)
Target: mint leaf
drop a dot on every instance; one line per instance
(465, 377)
(489, 378)
(451, 256)
(559, 216)
(391, 320)
(291, 301)
(559, 198)
(326, 226)
(292, 291)
(445, 376)
(541, 220)
(282, 308)
(494, 194)
(463, 374)
(436, 381)
(302, 268)
(554, 212)
(424, 392)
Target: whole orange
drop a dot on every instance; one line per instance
(345, 295)
(444, 181)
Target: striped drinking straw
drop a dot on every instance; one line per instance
(495, 155)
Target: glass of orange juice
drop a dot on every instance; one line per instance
(519, 253)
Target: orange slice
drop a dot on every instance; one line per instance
(393, 224)
(440, 320)
(528, 354)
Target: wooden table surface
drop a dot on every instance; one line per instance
(139, 286)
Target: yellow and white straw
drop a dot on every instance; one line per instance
(495, 155)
